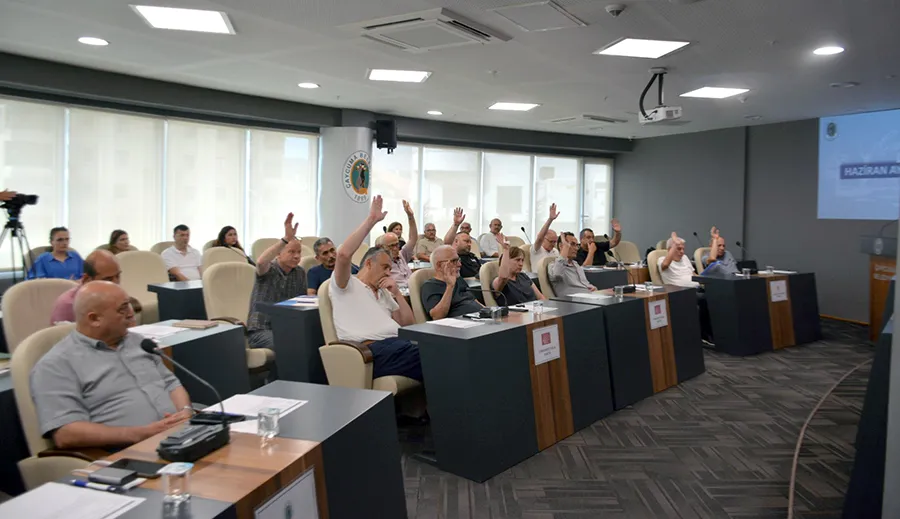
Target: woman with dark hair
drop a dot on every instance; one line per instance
(60, 262)
(119, 242)
(228, 238)
(510, 280)
(397, 228)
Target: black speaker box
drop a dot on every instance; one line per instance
(385, 134)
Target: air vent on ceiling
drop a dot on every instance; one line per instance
(427, 31)
(586, 120)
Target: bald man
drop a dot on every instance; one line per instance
(469, 264)
(488, 242)
(447, 294)
(545, 241)
(97, 387)
(100, 265)
(400, 257)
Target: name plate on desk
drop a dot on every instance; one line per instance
(295, 501)
(546, 344)
(658, 315)
(778, 290)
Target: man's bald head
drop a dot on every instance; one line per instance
(463, 243)
(101, 265)
(442, 253)
(389, 242)
(103, 311)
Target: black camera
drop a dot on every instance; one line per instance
(19, 201)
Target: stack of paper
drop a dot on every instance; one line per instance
(55, 500)
(784, 272)
(589, 295)
(155, 331)
(250, 405)
(456, 323)
(301, 301)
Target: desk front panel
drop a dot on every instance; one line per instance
(180, 300)
(297, 336)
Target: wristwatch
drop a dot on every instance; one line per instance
(284, 241)
(189, 409)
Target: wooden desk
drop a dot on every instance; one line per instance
(180, 300)
(297, 336)
(479, 379)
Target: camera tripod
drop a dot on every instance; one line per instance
(14, 226)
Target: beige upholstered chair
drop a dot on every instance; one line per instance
(653, 265)
(308, 262)
(216, 255)
(260, 246)
(476, 249)
(358, 255)
(105, 246)
(515, 241)
(478, 241)
(208, 245)
(306, 250)
(349, 364)
(39, 470)
(418, 278)
(628, 252)
(661, 245)
(27, 307)
(526, 248)
(486, 274)
(37, 251)
(309, 241)
(158, 248)
(544, 277)
(698, 258)
(139, 269)
(226, 294)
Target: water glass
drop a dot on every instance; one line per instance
(745, 272)
(619, 291)
(770, 269)
(497, 314)
(649, 286)
(538, 308)
(415, 263)
(267, 423)
(176, 482)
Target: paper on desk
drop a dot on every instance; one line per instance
(456, 323)
(250, 405)
(55, 500)
(301, 301)
(784, 272)
(589, 295)
(530, 306)
(155, 331)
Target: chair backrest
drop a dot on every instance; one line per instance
(27, 307)
(653, 265)
(105, 246)
(515, 241)
(158, 248)
(139, 269)
(661, 245)
(486, 274)
(33, 255)
(216, 255)
(306, 251)
(23, 360)
(260, 246)
(698, 258)
(326, 313)
(360, 252)
(526, 248)
(208, 245)
(628, 252)
(476, 249)
(415, 293)
(227, 288)
(308, 262)
(309, 241)
(544, 276)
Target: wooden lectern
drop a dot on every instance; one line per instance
(882, 251)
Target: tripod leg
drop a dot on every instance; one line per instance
(24, 236)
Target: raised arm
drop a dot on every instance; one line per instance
(539, 239)
(458, 219)
(670, 256)
(713, 242)
(343, 265)
(290, 233)
(410, 246)
(504, 275)
(617, 233)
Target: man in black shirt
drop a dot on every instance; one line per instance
(469, 264)
(594, 253)
(447, 294)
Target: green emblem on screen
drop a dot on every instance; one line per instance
(356, 177)
(831, 131)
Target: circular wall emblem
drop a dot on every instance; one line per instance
(831, 131)
(878, 246)
(357, 176)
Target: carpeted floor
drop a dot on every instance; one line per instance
(718, 446)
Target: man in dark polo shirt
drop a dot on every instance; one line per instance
(278, 277)
(447, 294)
(469, 264)
(594, 253)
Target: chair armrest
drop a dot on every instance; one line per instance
(87, 455)
(231, 320)
(135, 304)
(361, 347)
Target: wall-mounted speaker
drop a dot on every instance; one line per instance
(385, 135)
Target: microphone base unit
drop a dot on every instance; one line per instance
(193, 442)
(485, 313)
(629, 289)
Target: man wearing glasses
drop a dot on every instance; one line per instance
(400, 257)
(447, 294)
(545, 246)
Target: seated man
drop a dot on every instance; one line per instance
(466, 227)
(97, 387)
(515, 285)
(370, 307)
(100, 265)
(717, 255)
(488, 242)
(447, 294)
(429, 242)
(400, 257)
(183, 261)
(326, 255)
(545, 243)
(675, 268)
(469, 264)
(594, 253)
(566, 275)
(278, 277)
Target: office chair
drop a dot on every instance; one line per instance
(215, 255)
(628, 252)
(415, 283)
(526, 248)
(544, 276)
(260, 246)
(27, 307)
(653, 265)
(208, 245)
(139, 269)
(486, 275)
(515, 241)
(698, 258)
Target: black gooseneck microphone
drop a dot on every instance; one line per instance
(526, 234)
(385, 228)
(150, 347)
(627, 271)
(742, 248)
(699, 240)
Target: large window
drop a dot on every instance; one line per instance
(451, 179)
(507, 193)
(396, 178)
(598, 196)
(556, 182)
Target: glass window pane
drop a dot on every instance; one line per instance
(31, 162)
(507, 192)
(283, 179)
(557, 182)
(115, 163)
(451, 180)
(395, 177)
(204, 179)
(598, 196)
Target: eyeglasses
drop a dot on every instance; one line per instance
(454, 261)
(393, 246)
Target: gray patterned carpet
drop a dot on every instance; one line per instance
(718, 446)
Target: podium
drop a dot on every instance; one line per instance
(882, 251)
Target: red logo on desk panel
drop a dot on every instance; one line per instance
(658, 309)
(545, 339)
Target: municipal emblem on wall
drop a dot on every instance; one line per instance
(831, 131)
(357, 177)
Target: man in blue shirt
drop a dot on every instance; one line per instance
(327, 257)
(59, 262)
(723, 259)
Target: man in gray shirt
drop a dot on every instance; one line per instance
(717, 254)
(566, 275)
(97, 387)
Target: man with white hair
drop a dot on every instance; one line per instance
(429, 241)
(545, 242)
(400, 257)
(675, 268)
(447, 294)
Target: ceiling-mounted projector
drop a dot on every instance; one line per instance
(662, 114)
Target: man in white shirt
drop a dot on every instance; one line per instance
(675, 268)
(545, 244)
(370, 307)
(490, 248)
(182, 260)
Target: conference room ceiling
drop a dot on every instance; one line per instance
(763, 45)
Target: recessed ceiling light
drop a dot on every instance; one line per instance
(515, 107)
(637, 48)
(715, 92)
(90, 40)
(179, 19)
(403, 76)
(828, 51)
(844, 84)
(435, 112)
(307, 85)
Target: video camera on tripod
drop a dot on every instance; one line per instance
(19, 201)
(13, 208)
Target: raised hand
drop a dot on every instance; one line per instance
(714, 232)
(389, 284)
(502, 241)
(616, 226)
(375, 212)
(407, 209)
(450, 274)
(554, 214)
(458, 216)
(290, 228)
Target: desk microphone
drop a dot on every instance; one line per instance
(195, 441)
(504, 310)
(699, 240)
(626, 289)
(742, 248)
(384, 227)
(526, 234)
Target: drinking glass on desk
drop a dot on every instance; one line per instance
(770, 269)
(648, 285)
(745, 272)
(176, 482)
(619, 291)
(267, 423)
(497, 314)
(538, 308)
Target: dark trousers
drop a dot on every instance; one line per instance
(396, 356)
(261, 339)
(703, 311)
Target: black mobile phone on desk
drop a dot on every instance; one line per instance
(144, 469)
(215, 418)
